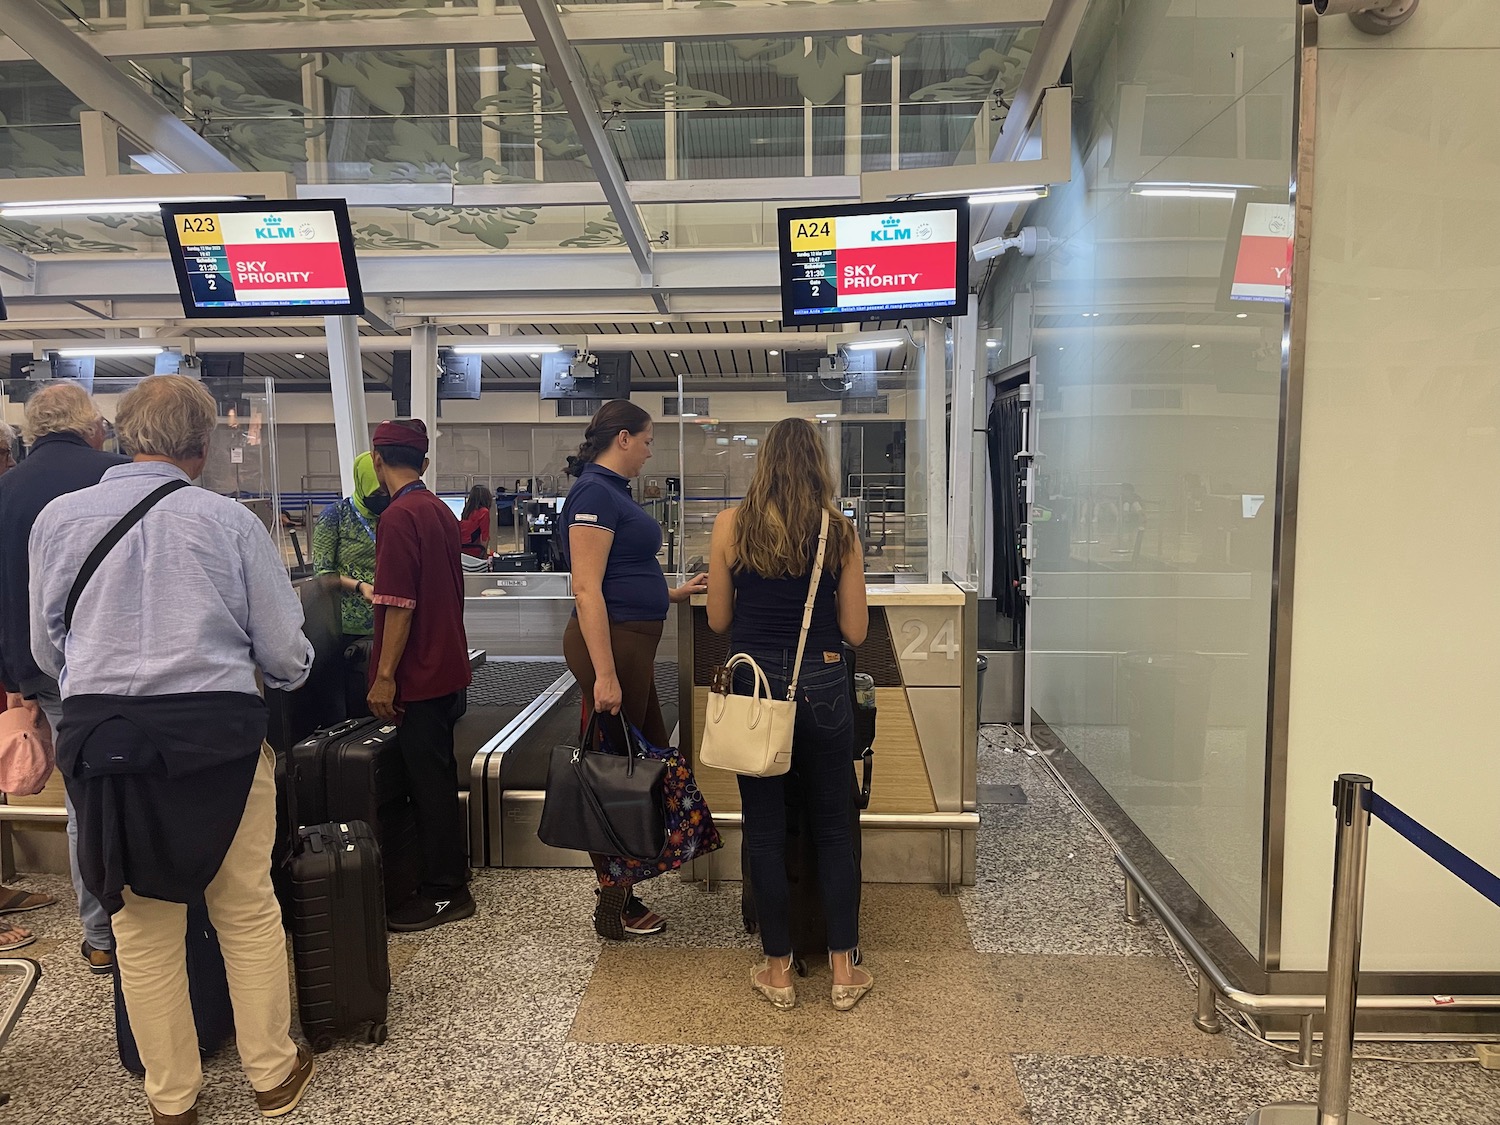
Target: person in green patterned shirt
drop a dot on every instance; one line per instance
(344, 544)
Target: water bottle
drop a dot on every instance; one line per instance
(864, 691)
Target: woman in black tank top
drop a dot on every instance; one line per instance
(760, 567)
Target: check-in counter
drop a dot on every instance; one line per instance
(517, 614)
(922, 824)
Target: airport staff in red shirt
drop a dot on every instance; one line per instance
(419, 665)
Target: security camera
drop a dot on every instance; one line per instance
(1030, 241)
(1374, 17)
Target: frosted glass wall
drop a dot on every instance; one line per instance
(1158, 424)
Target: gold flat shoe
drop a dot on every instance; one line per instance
(845, 996)
(782, 998)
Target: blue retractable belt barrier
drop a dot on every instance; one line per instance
(1482, 880)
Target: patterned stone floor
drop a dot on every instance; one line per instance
(1024, 1000)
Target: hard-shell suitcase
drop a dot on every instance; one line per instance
(354, 771)
(208, 992)
(338, 933)
(808, 921)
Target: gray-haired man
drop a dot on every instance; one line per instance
(66, 436)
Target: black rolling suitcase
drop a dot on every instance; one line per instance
(354, 771)
(208, 992)
(338, 933)
(809, 923)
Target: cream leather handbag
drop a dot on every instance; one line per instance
(752, 734)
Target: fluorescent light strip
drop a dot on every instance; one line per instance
(1169, 190)
(505, 349)
(106, 351)
(1021, 195)
(62, 207)
(874, 345)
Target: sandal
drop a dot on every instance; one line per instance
(639, 919)
(15, 937)
(13, 900)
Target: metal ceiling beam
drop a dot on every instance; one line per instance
(643, 192)
(509, 285)
(373, 31)
(566, 71)
(95, 82)
(1054, 44)
(16, 264)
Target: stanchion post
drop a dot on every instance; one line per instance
(1207, 1020)
(1350, 798)
(1350, 802)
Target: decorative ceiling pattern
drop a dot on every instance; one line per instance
(740, 108)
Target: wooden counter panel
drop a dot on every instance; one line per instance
(901, 784)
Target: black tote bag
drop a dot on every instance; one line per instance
(607, 803)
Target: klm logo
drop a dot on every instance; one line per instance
(271, 229)
(891, 230)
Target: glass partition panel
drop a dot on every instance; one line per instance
(1158, 354)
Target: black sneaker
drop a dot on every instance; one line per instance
(422, 913)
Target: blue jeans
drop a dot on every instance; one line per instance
(822, 774)
(96, 927)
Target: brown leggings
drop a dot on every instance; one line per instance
(634, 644)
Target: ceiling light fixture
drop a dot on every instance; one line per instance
(688, 414)
(1019, 195)
(826, 416)
(299, 355)
(108, 352)
(773, 351)
(1240, 316)
(874, 345)
(1197, 346)
(1186, 190)
(992, 343)
(674, 355)
(506, 349)
(45, 208)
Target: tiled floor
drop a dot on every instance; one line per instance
(1025, 1000)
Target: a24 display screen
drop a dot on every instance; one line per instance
(265, 258)
(850, 263)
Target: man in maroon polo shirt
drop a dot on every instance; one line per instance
(419, 665)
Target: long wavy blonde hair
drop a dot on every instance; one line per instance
(776, 527)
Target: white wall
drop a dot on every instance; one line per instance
(1396, 651)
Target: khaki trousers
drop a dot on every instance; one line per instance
(151, 946)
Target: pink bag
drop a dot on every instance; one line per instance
(26, 754)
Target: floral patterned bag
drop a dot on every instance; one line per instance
(690, 826)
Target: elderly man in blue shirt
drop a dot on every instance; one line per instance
(156, 636)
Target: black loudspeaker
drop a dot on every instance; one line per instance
(401, 383)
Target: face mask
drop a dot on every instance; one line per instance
(376, 502)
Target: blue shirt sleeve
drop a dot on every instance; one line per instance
(592, 504)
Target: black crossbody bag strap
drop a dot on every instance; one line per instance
(108, 543)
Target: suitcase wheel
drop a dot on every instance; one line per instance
(376, 1035)
(322, 1044)
(800, 966)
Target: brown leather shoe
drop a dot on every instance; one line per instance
(284, 1099)
(190, 1117)
(101, 962)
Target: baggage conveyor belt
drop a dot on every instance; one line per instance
(507, 777)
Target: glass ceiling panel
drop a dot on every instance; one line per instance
(471, 115)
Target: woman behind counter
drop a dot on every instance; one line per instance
(474, 524)
(344, 544)
(760, 566)
(610, 544)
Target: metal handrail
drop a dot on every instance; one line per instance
(30, 973)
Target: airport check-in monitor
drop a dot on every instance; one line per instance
(264, 258)
(881, 261)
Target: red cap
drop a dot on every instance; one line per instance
(410, 432)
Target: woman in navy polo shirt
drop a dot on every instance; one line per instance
(610, 545)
